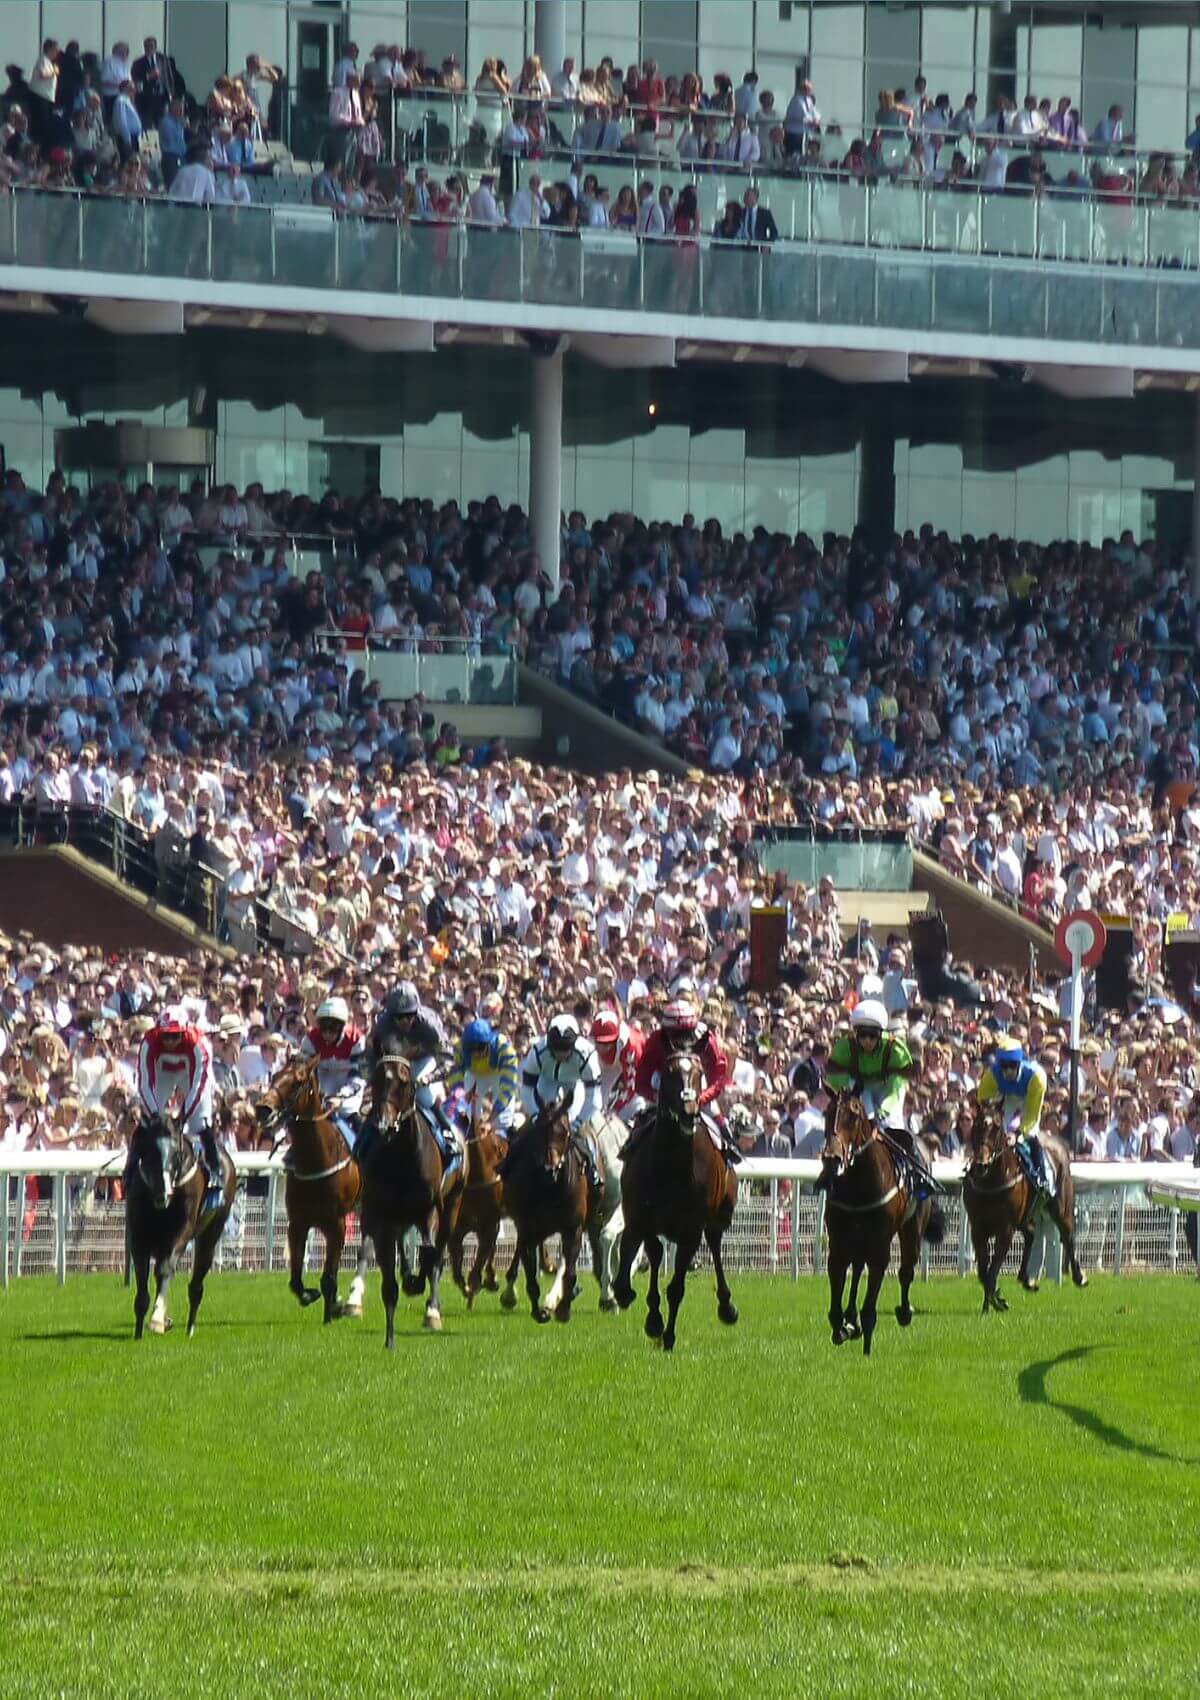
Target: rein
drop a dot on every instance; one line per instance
(293, 1120)
(876, 1137)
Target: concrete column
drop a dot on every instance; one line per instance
(877, 470)
(550, 34)
(545, 459)
(1196, 500)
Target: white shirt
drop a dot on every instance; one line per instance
(481, 208)
(527, 209)
(742, 150)
(564, 86)
(194, 183)
(650, 218)
(113, 73)
(234, 190)
(995, 168)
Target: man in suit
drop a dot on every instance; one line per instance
(156, 81)
(758, 223)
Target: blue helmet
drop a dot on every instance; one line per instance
(478, 1035)
(1009, 1053)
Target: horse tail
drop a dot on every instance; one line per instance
(935, 1229)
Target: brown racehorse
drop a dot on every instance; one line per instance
(163, 1212)
(407, 1185)
(1001, 1201)
(675, 1185)
(868, 1205)
(322, 1187)
(481, 1209)
(546, 1192)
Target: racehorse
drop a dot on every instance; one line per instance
(321, 1189)
(676, 1185)
(1001, 1201)
(481, 1208)
(164, 1210)
(607, 1222)
(408, 1184)
(869, 1202)
(546, 1192)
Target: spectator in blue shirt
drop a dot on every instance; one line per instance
(126, 121)
(172, 140)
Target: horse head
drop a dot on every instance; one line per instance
(294, 1095)
(553, 1128)
(160, 1160)
(680, 1091)
(393, 1097)
(987, 1144)
(849, 1131)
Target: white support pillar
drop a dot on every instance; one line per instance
(545, 461)
(1196, 500)
(550, 34)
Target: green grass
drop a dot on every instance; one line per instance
(986, 1507)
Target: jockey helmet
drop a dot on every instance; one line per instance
(1009, 1052)
(562, 1034)
(173, 1019)
(333, 1010)
(869, 1016)
(606, 1028)
(404, 1000)
(478, 1035)
(680, 1016)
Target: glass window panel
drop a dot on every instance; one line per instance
(773, 494)
(719, 493)
(1042, 510)
(1161, 118)
(432, 473)
(779, 34)
(709, 448)
(1094, 513)
(828, 505)
(498, 31)
(660, 489)
(723, 22)
(132, 21)
(948, 35)
(1055, 50)
(989, 503)
(70, 20)
(257, 27)
(440, 27)
(492, 474)
(242, 460)
(931, 501)
(1162, 53)
(605, 485)
(444, 430)
(569, 496)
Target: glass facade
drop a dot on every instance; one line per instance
(762, 445)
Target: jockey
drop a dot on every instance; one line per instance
(619, 1048)
(175, 1057)
(1019, 1085)
(563, 1063)
(485, 1068)
(877, 1065)
(683, 1031)
(341, 1051)
(410, 1029)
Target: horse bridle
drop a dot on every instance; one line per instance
(281, 1114)
(847, 1161)
(172, 1187)
(387, 1130)
(976, 1163)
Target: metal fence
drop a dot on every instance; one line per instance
(62, 1224)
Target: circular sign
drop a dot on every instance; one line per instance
(1081, 936)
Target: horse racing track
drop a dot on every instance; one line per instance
(996, 1506)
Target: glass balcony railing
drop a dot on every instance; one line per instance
(886, 258)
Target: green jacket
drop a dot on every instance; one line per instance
(890, 1067)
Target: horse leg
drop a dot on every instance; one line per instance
(335, 1239)
(685, 1251)
(726, 1309)
(851, 1323)
(838, 1265)
(980, 1242)
(206, 1250)
(570, 1248)
(433, 1250)
(631, 1244)
(508, 1298)
(606, 1246)
(385, 1254)
(529, 1262)
(1062, 1214)
(876, 1270)
(358, 1287)
(483, 1272)
(297, 1245)
(160, 1322)
(141, 1297)
(412, 1270)
(654, 1318)
(910, 1252)
(1000, 1249)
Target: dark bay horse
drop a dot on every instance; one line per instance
(1002, 1201)
(407, 1185)
(322, 1187)
(546, 1192)
(481, 1208)
(163, 1212)
(868, 1205)
(675, 1185)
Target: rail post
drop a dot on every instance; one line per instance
(1119, 1236)
(59, 1200)
(795, 1230)
(774, 1197)
(5, 1190)
(272, 1192)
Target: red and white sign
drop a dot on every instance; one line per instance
(1080, 938)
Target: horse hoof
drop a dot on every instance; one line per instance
(541, 1314)
(138, 1331)
(390, 1343)
(904, 1315)
(668, 1342)
(998, 1303)
(853, 1330)
(413, 1284)
(624, 1297)
(492, 1284)
(309, 1296)
(562, 1313)
(353, 1308)
(433, 1321)
(1030, 1286)
(654, 1326)
(508, 1299)
(727, 1313)
(866, 1345)
(471, 1299)
(335, 1313)
(191, 1331)
(159, 1324)
(1079, 1278)
(608, 1306)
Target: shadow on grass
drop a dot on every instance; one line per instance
(1031, 1385)
(57, 1334)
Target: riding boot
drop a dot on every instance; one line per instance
(926, 1186)
(1041, 1178)
(212, 1162)
(584, 1151)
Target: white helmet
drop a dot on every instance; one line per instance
(562, 1034)
(870, 1013)
(174, 1019)
(334, 1009)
